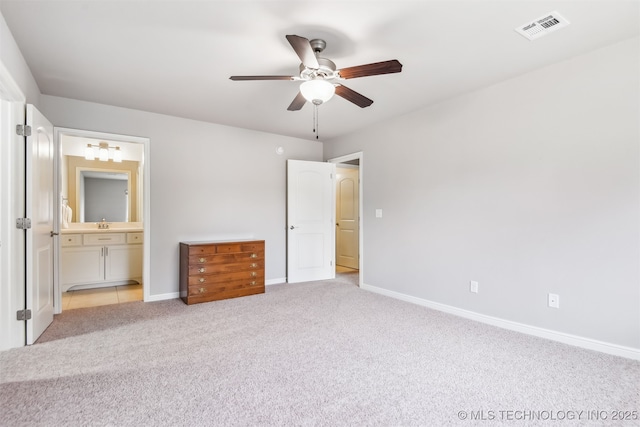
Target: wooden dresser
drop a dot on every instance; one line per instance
(218, 270)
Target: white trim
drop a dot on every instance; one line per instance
(578, 341)
(360, 157)
(9, 89)
(176, 295)
(162, 297)
(12, 240)
(146, 213)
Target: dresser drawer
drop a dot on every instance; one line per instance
(225, 286)
(202, 250)
(227, 267)
(71, 240)
(225, 258)
(135, 237)
(104, 239)
(228, 248)
(202, 279)
(252, 247)
(197, 294)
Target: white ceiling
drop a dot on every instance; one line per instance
(175, 57)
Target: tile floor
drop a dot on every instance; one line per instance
(101, 296)
(341, 269)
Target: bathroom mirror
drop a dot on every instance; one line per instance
(97, 190)
(103, 195)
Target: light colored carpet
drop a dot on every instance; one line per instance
(316, 354)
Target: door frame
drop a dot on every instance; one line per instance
(59, 132)
(12, 206)
(343, 159)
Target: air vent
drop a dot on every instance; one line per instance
(542, 26)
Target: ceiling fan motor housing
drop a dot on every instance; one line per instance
(326, 71)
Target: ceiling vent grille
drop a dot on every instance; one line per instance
(542, 26)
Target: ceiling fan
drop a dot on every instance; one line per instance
(318, 74)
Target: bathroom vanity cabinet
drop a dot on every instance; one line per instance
(100, 259)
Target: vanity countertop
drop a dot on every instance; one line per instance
(92, 227)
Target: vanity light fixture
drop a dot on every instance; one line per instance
(117, 155)
(104, 151)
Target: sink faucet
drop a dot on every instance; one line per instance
(103, 225)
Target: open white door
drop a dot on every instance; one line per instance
(310, 221)
(39, 241)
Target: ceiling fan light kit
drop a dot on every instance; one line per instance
(317, 74)
(317, 91)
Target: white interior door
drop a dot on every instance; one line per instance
(39, 196)
(310, 221)
(347, 217)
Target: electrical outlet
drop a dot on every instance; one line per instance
(554, 301)
(473, 286)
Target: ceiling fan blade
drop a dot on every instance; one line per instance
(304, 51)
(353, 96)
(242, 78)
(297, 103)
(384, 67)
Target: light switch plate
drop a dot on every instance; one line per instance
(378, 213)
(473, 286)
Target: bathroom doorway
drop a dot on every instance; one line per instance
(349, 229)
(102, 253)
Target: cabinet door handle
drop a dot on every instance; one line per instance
(254, 255)
(201, 270)
(253, 265)
(253, 274)
(202, 280)
(202, 260)
(106, 251)
(101, 251)
(202, 290)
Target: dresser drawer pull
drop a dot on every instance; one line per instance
(201, 269)
(253, 265)
(254, 255)
(201, 280)
(202, 259)
(253, 274)
(202, 290)
(253, 282)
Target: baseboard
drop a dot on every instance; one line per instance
(578, 341)
(162, 297)
(174, 295)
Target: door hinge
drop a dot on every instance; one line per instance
(24, 314)
(23, 223)
(23, 130)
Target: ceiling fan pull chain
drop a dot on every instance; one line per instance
(315, 119)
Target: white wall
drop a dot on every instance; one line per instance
(530, 186)
(207, 181)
